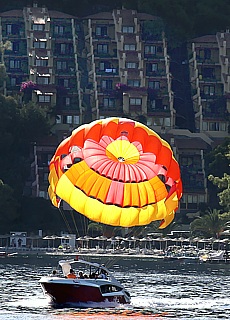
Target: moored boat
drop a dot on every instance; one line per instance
(220, 256)
(92, 288)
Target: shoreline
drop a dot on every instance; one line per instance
(153, 255)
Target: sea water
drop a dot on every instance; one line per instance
(159, 290)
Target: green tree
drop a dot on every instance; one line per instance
(3, 75)
(209, 225)
(216, 165)
(223, 184)
(8, 206)
(34, 123)
(98, 229)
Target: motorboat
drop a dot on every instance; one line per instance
(184, 253)
(5, 254)
(92, 288)
(220, 256)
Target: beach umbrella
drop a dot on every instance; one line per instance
(53, 237)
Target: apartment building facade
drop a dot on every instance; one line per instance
(107, 64)
(210, 83)
(129, 67)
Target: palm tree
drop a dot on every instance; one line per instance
(209, 225)
(94, 229)
(98, 229)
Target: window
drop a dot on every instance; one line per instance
(103, 65)
(76, 119)
(42, 194)
(63, 83)
(209, 90)
(45, 176)
(15, 46)
(59, 30)
(107, 84)
(131, 65)
(154, 67)
(13, 82)
(150, 50)
(108, 102)
(127, 29)
(15, 64)
(205, 53)
(44, 98)
(67, 101)
(41, 62)
(133, 83)
(101, 31)
(9, 29)
(135, 101)
(40, 44)
(61, 65)
(38, 27)
(208, 73)
(192, 201)
(66, 83)
(153, 104)
(167, 122)
(154, 85)
(63, 48)
(43, 80)
(58, 118)
(149, 122)
(214, 126)
(158, 121)
(12, 29)
(102, 48)
(67, 119)
(201, 198)
(130, 47)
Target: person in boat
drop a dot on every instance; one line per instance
(92, 275)
(54, 273)
(103, 274)
(80, 275)
(71, 274)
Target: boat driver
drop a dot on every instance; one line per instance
(71, 274)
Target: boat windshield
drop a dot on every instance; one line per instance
(85, 268)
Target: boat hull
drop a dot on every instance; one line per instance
(76, 292)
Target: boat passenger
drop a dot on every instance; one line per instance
(80, 275)
(103, 274)
(92, 275)
(71, 274)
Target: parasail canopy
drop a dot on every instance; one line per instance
(118, 172)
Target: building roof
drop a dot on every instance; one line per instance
(127, 14)
(208, 38)
(12, 13)
(60, 15)
(191, 143)
(100, 16)
(52, 13)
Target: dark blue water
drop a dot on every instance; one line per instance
(159, 289)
